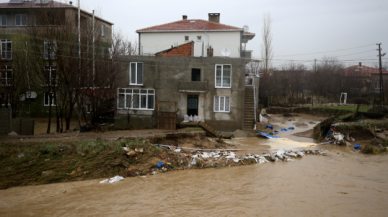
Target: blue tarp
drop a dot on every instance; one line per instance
(356, 146)
(283, 130)
(270, 127)
(328, 133)
(267, 135)
(290, 128)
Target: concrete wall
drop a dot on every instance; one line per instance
(152, 43)
(165, 74)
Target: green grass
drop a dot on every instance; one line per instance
(347, 108)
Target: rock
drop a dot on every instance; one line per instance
(13, 133)
(46, 173)
(21, 155)
(73, 173)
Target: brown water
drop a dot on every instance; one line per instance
(343, 183)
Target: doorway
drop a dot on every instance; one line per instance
(192, 105)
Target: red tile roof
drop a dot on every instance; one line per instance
(190, 25)
(365, 71)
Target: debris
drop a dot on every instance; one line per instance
(290, 128)
(139, 150)
(283, 130)
(357, 146)
(21, 155)
(112, 180)
(160, 164)
(13, 133)
(164, 169)
(177, 150)
(266, 135)
(154, 173)
(270, 127)
(46, 173)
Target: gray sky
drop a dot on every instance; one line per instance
(299, 26)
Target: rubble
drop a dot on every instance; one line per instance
(112, 180)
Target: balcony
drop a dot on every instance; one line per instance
(192, 86)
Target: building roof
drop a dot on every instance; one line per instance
(364, 71)
(190, 25)
(178, 51)
(50, 4)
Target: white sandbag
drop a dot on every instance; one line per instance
(185, 119)
(112, 180)
(190, 118)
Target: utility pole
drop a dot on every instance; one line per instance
(79, 33)
(381, 76)
(94, 64)
(315, 65)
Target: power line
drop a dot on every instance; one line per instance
(324, 51)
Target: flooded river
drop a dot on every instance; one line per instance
(343, 183)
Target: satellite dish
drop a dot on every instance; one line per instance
(225, 52)
(246, 28)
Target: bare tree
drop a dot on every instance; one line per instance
(266, 47)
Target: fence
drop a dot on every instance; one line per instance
(5, 120)
(23, 127)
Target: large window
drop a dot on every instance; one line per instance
(223, 76)
(221, 103)
(3, 20)
(50, 98)
(6, 76)
(139, 99)
(50, 49)
(136, 73)
(6, 49)
(50, 75)
(20, 20)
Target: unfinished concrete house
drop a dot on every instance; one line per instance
(158, 90)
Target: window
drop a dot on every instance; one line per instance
(6, 76)
(199, 38)
(136, 73)
(6, 49)
(221, 103)
(138, 99)
(186, 38)
(50, 49)
(20, 20)
(377, 85)
(3, 21)
(5, 99)
(50, 98)
(195, 74)
(50, 75)
(223, 76)
(102, 29)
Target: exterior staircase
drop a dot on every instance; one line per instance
(249, 108)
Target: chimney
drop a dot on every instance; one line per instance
(184, 17)
(71, 3)
(359, 64)
(214, 17)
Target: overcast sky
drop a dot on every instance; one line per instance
(299, 26)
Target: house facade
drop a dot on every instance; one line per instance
(210, 37)
(212, 88)
(16, 17)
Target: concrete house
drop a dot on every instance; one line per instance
(210, 37)
(202, 83)
(15, 17)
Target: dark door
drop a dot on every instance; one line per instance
(192, 105)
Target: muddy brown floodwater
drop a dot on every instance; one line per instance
(343, 183)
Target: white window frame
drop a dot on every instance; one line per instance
(222, 75)
(3, 71)
(50, 69)
(21, 20)
(130, 77)
(217, 100)
(1, 20)
(53, 49)
(53, 103)
(102, 30)
(6, 41)
(131, 92)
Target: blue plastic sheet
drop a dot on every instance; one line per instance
(328, 133)
(356, 146)
(160, 164)
(270, 127)
(276, 133)
(267, 135)
(290, 128)
(283, 130)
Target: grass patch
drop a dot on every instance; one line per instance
(369, 149)
(45, 163)
(347, 108)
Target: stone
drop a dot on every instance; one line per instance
(46, 173)
(13, 133)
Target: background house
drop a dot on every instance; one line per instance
(210, 37)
